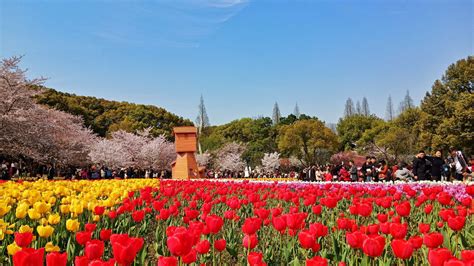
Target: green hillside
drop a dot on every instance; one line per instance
(105, 116)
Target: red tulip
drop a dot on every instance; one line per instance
(295, 220)
(316, 261)
(105, 234)
(456, 223)
(355, 239)
(318, 229)
(94, 249)
(306, 239)
(329, 202)
(403, 209)
(398, 231)
(454, 262)
(112, 215)
(317, 209)
(99, 210)
(255, 259)
(167, 261)
(23, 239)
(402, 249)
(364, 210)
(56, 259)
(214, 223)
(385, 228)
(138, 216)
(433, 240)
(250, 242)
(125, 248)
(416, 242)
(190, 257)
(445, 214)
(251, 226)
(81, 261)
(29, 256)
(179, 243)
(438, 256)
(164, 214)
(467, 255)
(424, 228)
(279, 223)
(203, 246)
(428, 208)
(373, 246)
(383, 218)
(220, 245)
(82, 237)
(90, 227)
(262, 213)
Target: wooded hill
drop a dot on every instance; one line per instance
(106, 116)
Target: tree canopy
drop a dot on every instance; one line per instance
(305, 139)
(447, 112)
(105, 117)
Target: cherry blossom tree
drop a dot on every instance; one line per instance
(203, 159)
(157, 153)
(31, 131)
(229, 157)
(271, 161)
(232, 162)
(131, 144)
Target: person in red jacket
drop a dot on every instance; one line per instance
(344, 175)
(383, 171)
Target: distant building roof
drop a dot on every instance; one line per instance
(185, 130)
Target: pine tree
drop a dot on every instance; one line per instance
(358, 108)
(349, 108)
(202, 120)
(296, 112)
(365, 107)
(276, 114)
(407, 103)
(389, 112)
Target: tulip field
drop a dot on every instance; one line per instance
(170, 222)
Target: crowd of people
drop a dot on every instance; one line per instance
(435, 168)
(455, 166)
(16, 169)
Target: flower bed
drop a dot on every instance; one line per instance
(236, 223)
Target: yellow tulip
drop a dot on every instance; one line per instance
(72, 225)
(41, 207)
(33, 214)
(4, 208)
(54, 218)
(64, 209)
(52, 200)
(4, 229)
(25, 229)
(45, 231)
(49, 247)
(96, 218)
(21, 210)
(13, 248)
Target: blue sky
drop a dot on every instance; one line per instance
(241, 55)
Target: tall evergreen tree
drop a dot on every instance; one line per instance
(407, 102)
(296, 112)
(365, 107)
(202, 120)
(276, 114)
(358, 108)
(349, 108)
(389, 112)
